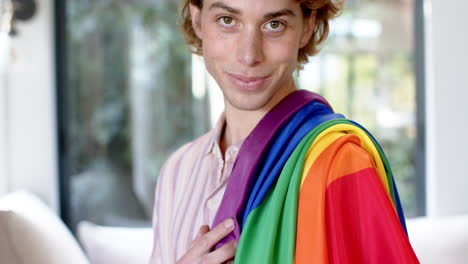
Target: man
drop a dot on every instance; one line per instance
(251, 48)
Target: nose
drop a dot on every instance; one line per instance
(250, 47)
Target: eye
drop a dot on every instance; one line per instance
(275, 26)
(226, 21)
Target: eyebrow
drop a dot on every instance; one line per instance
(225, 7)
(282, 12)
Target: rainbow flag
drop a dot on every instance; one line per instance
(310, 186)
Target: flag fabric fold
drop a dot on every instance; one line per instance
(314, 188)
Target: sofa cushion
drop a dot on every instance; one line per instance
(440, 240)
(116, 245)
(30, 232)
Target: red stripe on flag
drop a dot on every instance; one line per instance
(362, 225)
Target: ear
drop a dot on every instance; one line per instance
(309, 26)
(195, 14)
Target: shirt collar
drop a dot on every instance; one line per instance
(216, 134)
(215, 137)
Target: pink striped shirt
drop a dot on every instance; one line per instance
(189, 191)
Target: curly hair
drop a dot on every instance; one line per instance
(326, 10)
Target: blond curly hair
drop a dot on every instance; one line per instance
(326, 10)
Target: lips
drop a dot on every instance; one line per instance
(249, 83)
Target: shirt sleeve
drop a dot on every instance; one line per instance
(156, 256)
(361, 220)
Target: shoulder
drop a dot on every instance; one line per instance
(177, 169)
(184, 159)
(188, 152)
(347, 140)
(343, 154)
(351, 150)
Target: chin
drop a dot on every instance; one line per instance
(248, 101)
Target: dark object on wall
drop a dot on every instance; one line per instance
(23, 10)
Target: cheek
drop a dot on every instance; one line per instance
(215, 44)
(216, 53)
(213, 56)
(282, 51)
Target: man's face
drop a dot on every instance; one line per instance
(250, 47)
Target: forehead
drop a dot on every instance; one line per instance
(252, 6)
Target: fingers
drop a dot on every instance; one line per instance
(199, 251)
(222, 254)
(203, 230)
(205, 242)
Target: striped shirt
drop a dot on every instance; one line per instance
(189, 191)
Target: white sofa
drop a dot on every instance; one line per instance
(31, 233)
(116, 245)
(440, 240)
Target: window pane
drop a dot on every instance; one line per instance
(130, 103)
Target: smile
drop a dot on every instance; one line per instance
(248, 83)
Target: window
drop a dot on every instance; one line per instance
(128, 104)
(366, 71)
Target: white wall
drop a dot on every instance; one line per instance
(31, 109)
(5, 57)
(447, 107)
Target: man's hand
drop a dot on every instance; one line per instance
(206, 239)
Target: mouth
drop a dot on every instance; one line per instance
(249, 83)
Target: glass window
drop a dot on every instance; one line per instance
(129, 104)
(366, 71)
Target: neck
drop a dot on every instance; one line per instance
(240, 123)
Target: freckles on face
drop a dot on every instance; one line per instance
(216, 44)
